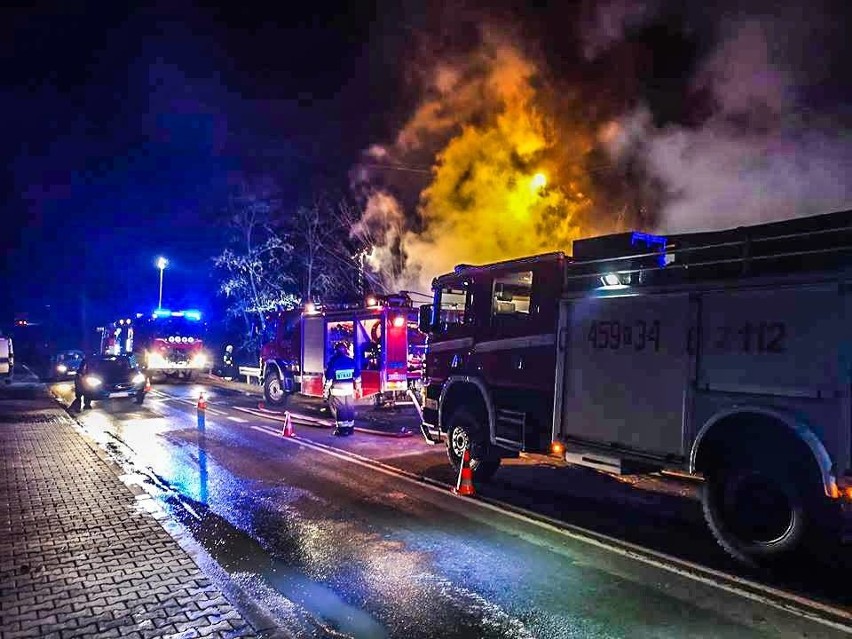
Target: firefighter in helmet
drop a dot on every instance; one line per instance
(343, 382)
(228, 369)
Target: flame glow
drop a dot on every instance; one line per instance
(490, 197)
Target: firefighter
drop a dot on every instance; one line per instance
(228, 368)
(343, 382)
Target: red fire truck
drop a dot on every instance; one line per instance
(382, 335)
(727, 355)
(167, 342)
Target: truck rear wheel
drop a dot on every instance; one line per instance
(273, 389)
(466, 431)
(755, 510)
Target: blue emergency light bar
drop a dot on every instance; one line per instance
(650, 241)
(190, 314)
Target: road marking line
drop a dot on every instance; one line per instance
(408, 453)
(313, 421)
(209, 409)
(739, 586)
(239, 420)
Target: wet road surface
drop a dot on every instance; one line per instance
(328, 546)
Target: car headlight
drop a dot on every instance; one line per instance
(139, 378)
(61, 368)
(199, 360)
(155, 360)
(92, 381)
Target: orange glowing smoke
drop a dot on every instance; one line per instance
(508, 180)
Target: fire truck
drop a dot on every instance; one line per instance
(727, 355)
(167, 342)
(382, 335)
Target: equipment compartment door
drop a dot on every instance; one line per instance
(773, 341)
(313, 355)
(626, 371)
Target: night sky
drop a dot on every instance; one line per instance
(125, 127)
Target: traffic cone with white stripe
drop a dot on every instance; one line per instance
(464, 485)
(288, 430)
(202, 403)
(147, 384)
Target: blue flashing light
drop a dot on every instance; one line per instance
(651, 241)
(648, 239)
(191, 314)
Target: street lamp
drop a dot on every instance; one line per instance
(162, 263)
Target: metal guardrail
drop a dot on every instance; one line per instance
(250, 372)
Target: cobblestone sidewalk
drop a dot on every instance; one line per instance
(78, 558)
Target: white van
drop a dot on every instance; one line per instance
(7, 357)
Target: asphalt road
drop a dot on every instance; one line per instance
(322, 541)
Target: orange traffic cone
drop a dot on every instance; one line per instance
(261, 406)
(147, 384)
(288, 430)
(202, 403)
(464, 485)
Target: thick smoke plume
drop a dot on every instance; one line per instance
(521, 160)
(761, 156)
(505, 182)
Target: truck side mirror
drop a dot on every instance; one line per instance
(424, 324)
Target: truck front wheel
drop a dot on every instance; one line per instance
(755, 510)
(466, 431)
(273, 389)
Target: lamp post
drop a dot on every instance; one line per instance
(162, 263)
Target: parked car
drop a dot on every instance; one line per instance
(109, 377)
(64, 364)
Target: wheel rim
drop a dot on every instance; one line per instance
(759, 510)
(459, 440)
(275, 391)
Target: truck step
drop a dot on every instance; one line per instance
(597, 461)
(510, 428)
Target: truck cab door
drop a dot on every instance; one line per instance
(516, 353)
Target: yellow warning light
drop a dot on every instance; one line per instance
(557, 448)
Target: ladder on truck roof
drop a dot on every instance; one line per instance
(812, 244)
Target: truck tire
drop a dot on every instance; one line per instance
(273, 389)
(464, 430)
(756, 510)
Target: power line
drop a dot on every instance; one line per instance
(398, 167)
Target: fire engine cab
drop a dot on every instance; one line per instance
(726, 354)
(167, 342)
(382, 335)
